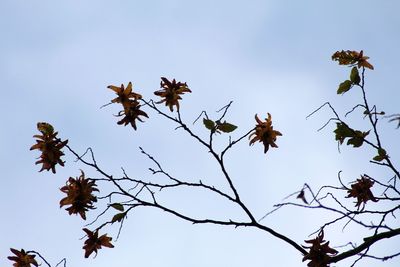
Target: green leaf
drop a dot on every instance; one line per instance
(355, 76)
(117, 206)
(344, 87)
(382, 152)
(226, 127)
(381, 155)
(342, 131)
(118, 217)
(209, 124)
(358, 138)
(45, 128)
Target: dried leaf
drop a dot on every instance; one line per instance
(131, 113)
(79, 195)
(94, 242)
(352, 58)
(171, 92)
(22, 258)
(124, 95)
(302, 196)
(50, 145)
(265, 133)
(361, 190)
(320, 252)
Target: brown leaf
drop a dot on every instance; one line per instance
(361, 191)
(94, 242)
(319, 251)
(131, 106)
(264, 133)
(171, 92)
(124, 95)
(131, 113)
(352, 58)
(79, 195)
(22, 258)
(302, 196)
(50, 146)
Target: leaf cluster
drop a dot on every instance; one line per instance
(170, 92)
(343, 131)
(79, 195)
(348, 84)
(80, 191)
(218, 126)
(352, 58)
(130, 103)
(50, 146)
(361, 190)
(22, 258)
(319, 252)
(95, 242)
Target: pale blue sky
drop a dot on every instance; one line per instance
(57, 57)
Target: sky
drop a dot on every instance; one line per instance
(58, 57)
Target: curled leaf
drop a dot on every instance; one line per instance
(124, 95)
(264, 132)
(22, 258)
(302, 196)
(79, 195)
(319, 252)
(94, 242)
(130, 103)
(352, 58)
(355, 76)
(170, 92)
(131, 113)
(361, 190)
(50, 145)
